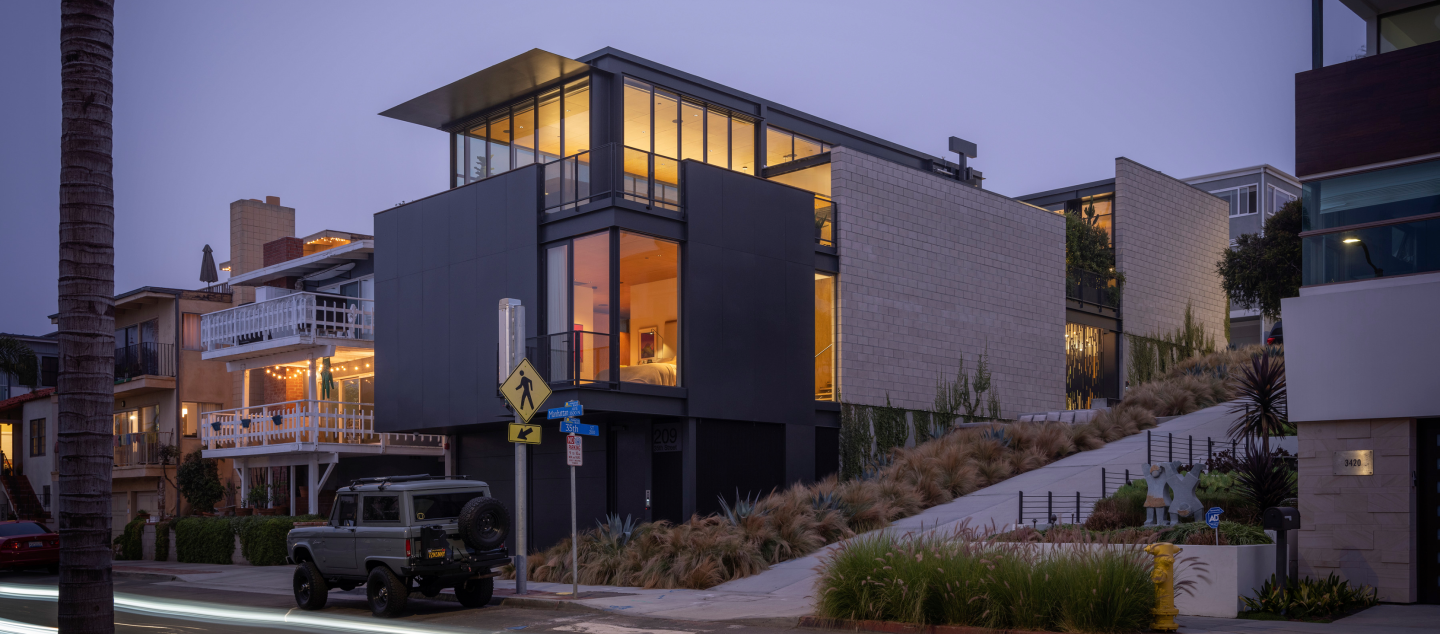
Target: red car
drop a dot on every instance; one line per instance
(26, 544)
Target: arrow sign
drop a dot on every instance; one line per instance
(571, 410)
(1212, 517)
(572, 426)
(523, 433)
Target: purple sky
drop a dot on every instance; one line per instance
(221, 101)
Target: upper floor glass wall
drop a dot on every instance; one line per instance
(1398, 192)
(664, 123)
(537, 129)
(782, 146)
(1375, 224)
(1411, 27)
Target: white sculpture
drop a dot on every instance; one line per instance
(1169, 494)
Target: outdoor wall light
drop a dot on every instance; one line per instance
(1350, 240)
(1379, 272)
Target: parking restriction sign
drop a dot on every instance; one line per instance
(574, 453)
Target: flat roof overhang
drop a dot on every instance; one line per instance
(497, 85)
(314, 263)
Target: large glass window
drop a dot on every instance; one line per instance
(1411, 27)
(649, 293)
(825, 308)
(535, 130)
(1398, 192)
(815, 179)
(1242, 200)
(1371, 252)
(783, 146)
(590, 312)
(659, 121)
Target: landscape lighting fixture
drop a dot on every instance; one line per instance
(1379, 272)
(1350, 240)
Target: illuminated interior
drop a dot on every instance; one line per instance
(649, 309)
(662, 122)
(539, 129)
(783, 146)
(1083, 368)
(825, 334)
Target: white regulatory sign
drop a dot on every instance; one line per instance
(574, 450)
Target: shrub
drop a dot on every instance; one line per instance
(1311, 599)
(262, 538)
(958, 579)
(162, 540)
(204, 540)
(131, 540)
(198, 479)
(1261, 403)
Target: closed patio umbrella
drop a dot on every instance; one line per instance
(208, 274)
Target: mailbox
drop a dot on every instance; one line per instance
(1281, 518)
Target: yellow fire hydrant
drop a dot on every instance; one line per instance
(1164, 577)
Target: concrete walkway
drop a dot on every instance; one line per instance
(997, 504)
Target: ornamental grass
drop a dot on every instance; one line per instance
(753, 535)
(958, 578)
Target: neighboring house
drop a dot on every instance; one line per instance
(27, 452)
(47, 352)
(1253, 194)
(710, 273)
(1167, 236)
(299, 345)
(1361, 340)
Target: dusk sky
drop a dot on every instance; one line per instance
(218, 101)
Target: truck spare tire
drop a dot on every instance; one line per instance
(484, 523)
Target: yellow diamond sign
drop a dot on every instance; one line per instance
(525, 390)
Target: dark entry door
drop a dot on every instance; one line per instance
(667, 472)
(1427, 502)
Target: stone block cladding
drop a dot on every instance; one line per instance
(1359, 527)
(1168, 236)
(930, 270)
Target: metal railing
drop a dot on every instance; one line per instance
(1050, 509)
(1168, 446)
(611, 171)
(142, 359)
(303, 421)
(824, 221)
(572, 358)
(1111, 481)
(140, 449)
(1088, 287)
(297, 314)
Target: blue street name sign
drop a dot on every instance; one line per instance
(572, 426)
(1212, 517)
(571, 410)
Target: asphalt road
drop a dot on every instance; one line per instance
(148, 607)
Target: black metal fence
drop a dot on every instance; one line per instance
(1111, 480)
(1185, 449)
(141, 359)
(1050, 508)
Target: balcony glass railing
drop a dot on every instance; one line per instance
(1088, 287)
(142, 359)
(609, 171)
(824, 221)
(572, 358)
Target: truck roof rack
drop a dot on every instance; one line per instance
(384, 480)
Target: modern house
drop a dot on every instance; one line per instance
(1253, 195)
(711, 274)
(1167, 236)
(299, 349)
(1361, 339)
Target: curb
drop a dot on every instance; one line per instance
(891, 627)
(136, 574)
(562, 605)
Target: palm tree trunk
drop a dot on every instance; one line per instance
(87, 316)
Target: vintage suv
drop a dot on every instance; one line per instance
(400, 533)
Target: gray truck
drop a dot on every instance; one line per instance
(400, 534)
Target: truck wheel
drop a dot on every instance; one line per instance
(386, 592)
(310, 588)
(475, 593)
(484, 523)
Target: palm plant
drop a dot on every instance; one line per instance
(18, 359)
(1263, 480)
(86, 323)
(1261, 400)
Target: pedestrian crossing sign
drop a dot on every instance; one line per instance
(525, 390)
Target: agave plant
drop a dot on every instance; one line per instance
(614, 532)
(1261, 400)
(744, 507)
(996, 434)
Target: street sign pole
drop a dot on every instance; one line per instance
(512, 350)
(573, 457)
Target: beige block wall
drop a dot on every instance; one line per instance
(252, 224)
(1359, 527)
(1168, 237)
(930, 270)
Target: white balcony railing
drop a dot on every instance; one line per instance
(304, 315)
(330, 422)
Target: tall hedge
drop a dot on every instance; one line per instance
(262, 539)
(131, 540)
(204, 540)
